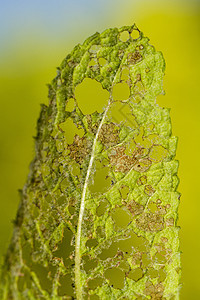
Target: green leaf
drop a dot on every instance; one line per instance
(98, 214)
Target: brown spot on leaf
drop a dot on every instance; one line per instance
(134, 58)
(121, 162)
(155, 291)
(79, 149)
(170, 222)
(138, 77)
(121, 53)
(149, 190)
(135, 208)
(161, 210)
(92, 124)
(150, 222)
(109, 134)
(164, 239)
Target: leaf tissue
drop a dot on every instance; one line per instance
(98, 214)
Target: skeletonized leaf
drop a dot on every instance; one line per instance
(98, 213)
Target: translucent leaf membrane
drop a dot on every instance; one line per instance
(98, 214)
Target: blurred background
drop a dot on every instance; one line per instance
(36, 35)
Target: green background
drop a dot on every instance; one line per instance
(34, 40)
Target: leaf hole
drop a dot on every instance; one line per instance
(135, 274)
(65, 246)
(121, 217)
(124, 36)
(135, 34)
(124, 191)
(121, 91)
(101, 209)
(66, 286)
(94, 283)
(70, 105)
(102, 61)
(94, 48)
(89, 264)
(91, 96)
(91, 243)
(115, 277)
(125, 74)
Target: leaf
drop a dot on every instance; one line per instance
(98, 214)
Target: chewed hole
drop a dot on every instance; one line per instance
(64, 247)
(91, 96)
(139, 87)
(143, 165)
(92, 63)
(124, 191)
(24, 281)
(41, 273)
(124, 36)
(102, 61)
(45, 168)
(130, 147)
(94, 283)
(108, 252)
(135, 274)
(91, 243)
(75, 169)
(66, 286)
(135, 34)
(100, 231)
(70, 105)
(71, 209)
(160, 258)
(146, 260)
(152, 273)
(62, 200)
(158, 153)
(59, 145)
(89, 264)
(124, 266)
(101, 209)
(101, 181)
(115, 277)
(125, 74)
(121, 91)
(136, 98)
(65, 184)
(152, 207)
(121, 216)
(94, 48)
(70, 130)
(150, 127)
(162, 275)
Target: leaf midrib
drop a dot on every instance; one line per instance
(78, 285)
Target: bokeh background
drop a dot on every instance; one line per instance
(36, 35)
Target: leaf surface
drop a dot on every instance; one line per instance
(98, 213)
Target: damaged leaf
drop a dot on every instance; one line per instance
(98, 214)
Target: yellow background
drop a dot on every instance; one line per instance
(28, 61)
